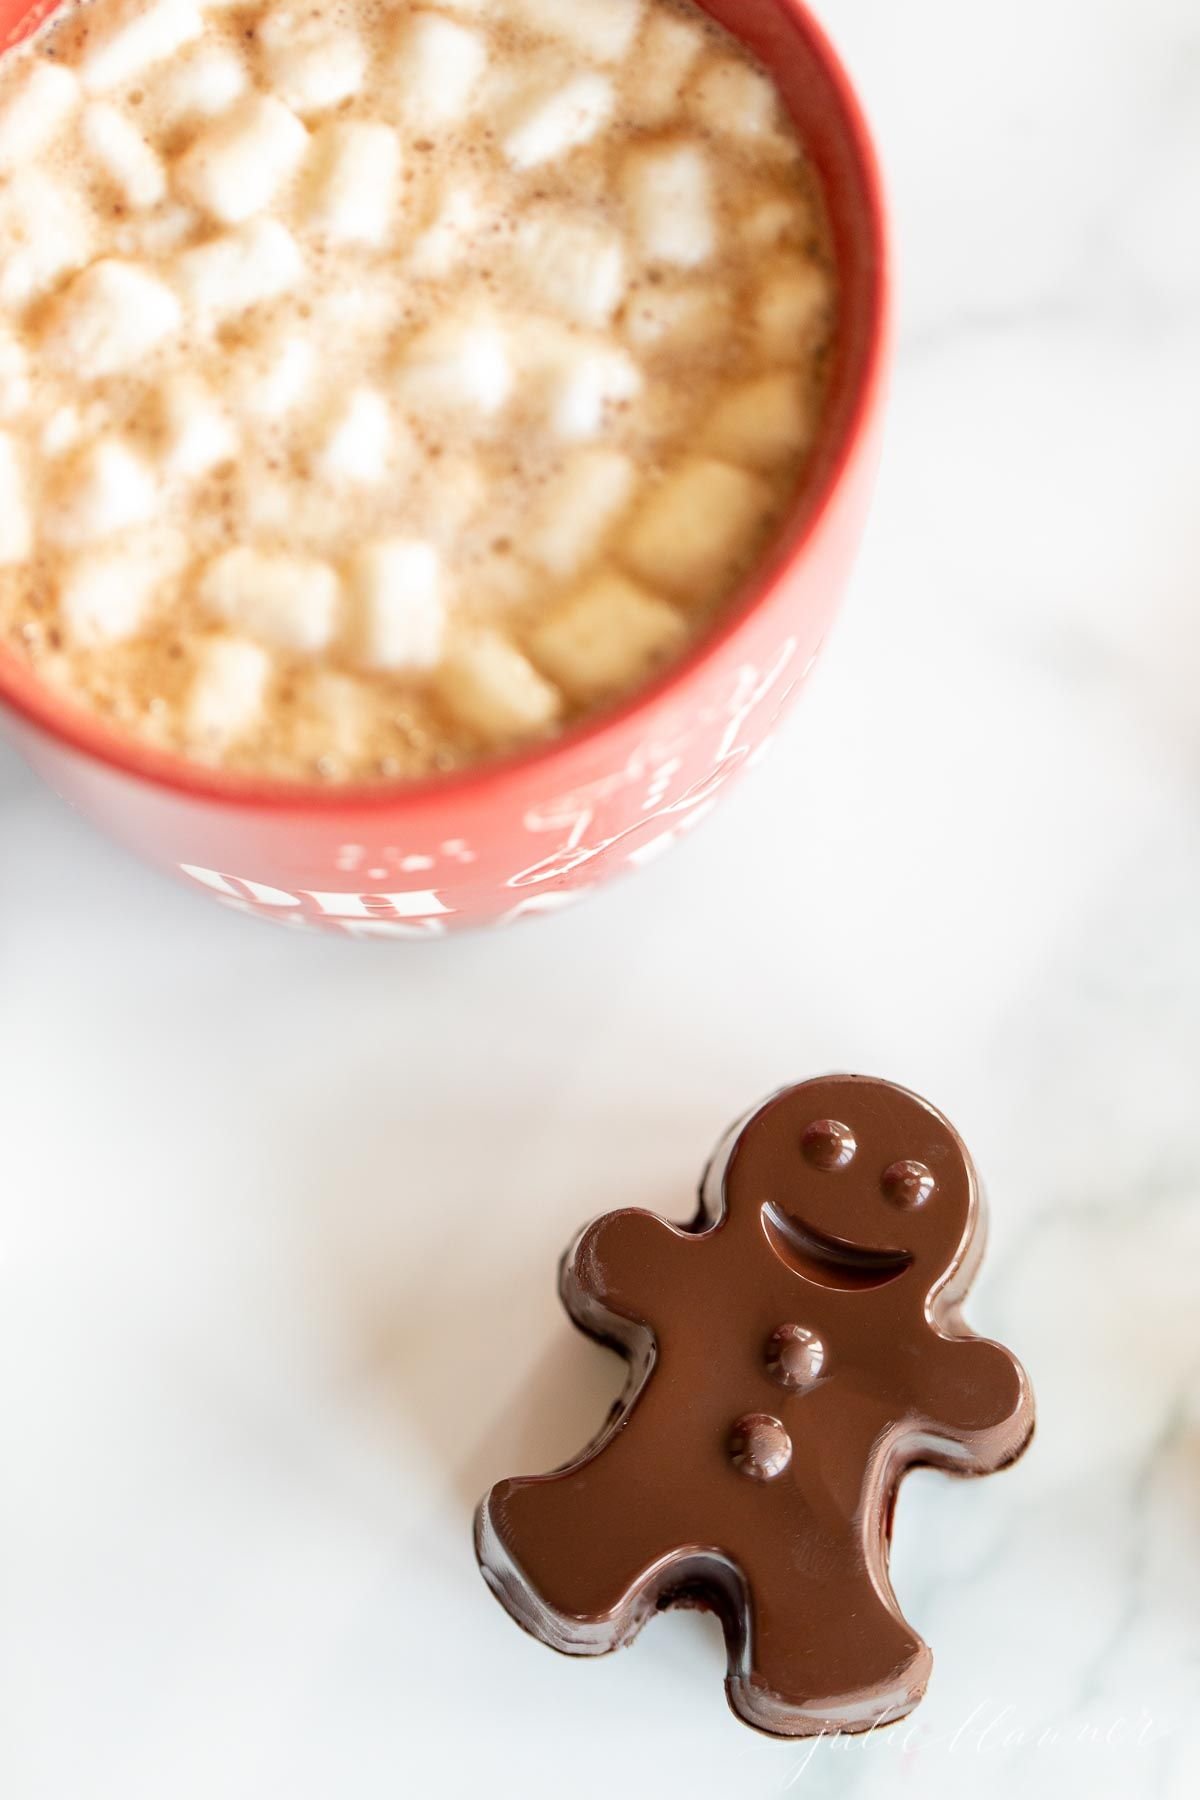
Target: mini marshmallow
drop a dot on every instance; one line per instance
(240, 269)
(103, 599)
(34, 112)
(271, 376)
(606, 636)
(46, 230)
(731, 98)
(572, 265)
(789, 306)
(310, 63)
(594, 382)
(548, 118)
(438, 65)
(66, 427)
(267, 506)
(492, 689)
(228, 689)
(760, 423)
(14, 375)
(656, 76)
(776, 218)
(330, 718)
(396, 589)
(359, 442)
(127, 36)
(577, 509)
(104, 489)
(16, 523)
(198, 434)
(457, 365)
(457, 496)
(499, 583)
(239, 162)
(574, 378)
(135, 170)
(290, 602)
(603, 29)
(356, 164)
(105, 596)
(677, 319)
(199, 86)
(667, 192)
(365, 306)
(452, 224)
(695, 527)
(110, 318)
(159, 233)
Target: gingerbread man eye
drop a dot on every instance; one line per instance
(907, 1184)
(827, 1144)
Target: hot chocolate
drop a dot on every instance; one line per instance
(382, 385)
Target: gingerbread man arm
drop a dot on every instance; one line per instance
(624, 1263)
(976, 1405)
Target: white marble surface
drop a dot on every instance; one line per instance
(280, 1216)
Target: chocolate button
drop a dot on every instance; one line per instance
(760, 1447)
(795, 1356)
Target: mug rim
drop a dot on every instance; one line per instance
(76, 729)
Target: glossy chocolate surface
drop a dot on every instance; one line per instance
(792, 1353)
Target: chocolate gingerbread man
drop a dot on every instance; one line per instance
(792, 1354)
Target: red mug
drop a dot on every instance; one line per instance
(537, 830)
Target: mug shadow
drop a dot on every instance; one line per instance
(440, 1385)
(446, 1384)
(566, 1399)
(468, 1356)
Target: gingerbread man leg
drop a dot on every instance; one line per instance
(529, 1533)
(824, 1649)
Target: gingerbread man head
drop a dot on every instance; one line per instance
(853, 1183)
